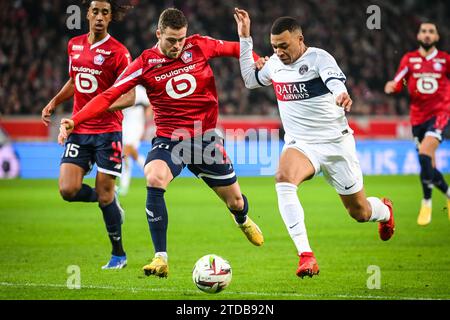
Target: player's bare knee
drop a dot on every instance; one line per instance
(156, 180)
(235, 203)
(282, 176)
(68, 192)
(105, 197)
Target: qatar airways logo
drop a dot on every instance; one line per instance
(291, 91)
(86, 70)
(175, 72)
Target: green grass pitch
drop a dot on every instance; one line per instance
(41, 236)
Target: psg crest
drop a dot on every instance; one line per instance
(187, 56)
(303, 69)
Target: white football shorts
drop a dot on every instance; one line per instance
(133, 126)
(336, 160)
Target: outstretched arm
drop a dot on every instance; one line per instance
(396, 85)
(251, 76)
(125, 101)
(92, 109)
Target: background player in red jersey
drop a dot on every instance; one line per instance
(426, 72)
(181, 89)
(95, 61)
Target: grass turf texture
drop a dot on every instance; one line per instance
(42, 235)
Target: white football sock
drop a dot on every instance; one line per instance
(448, 193)
(141, 161)
(126, 175)
(380, 211)
(427, 202)
(293, 215)
(162, 254)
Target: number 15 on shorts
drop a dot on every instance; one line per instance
(71, 150)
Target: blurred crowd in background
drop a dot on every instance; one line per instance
(34, 36)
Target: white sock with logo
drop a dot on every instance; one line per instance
(126, 175)
(380, 211)
(293, 215)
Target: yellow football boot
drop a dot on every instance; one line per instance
(252, 232)
(424, 215)
(157, 267)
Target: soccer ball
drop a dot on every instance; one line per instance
(211, 273)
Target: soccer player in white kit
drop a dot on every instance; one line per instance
(133, 127)
(312, 99)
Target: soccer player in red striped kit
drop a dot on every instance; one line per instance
(96, 59)
(181, 89)
(426, 73)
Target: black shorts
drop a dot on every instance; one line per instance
(434, 127)
(206, 159)
(104, 149)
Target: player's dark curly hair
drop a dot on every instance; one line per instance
(119, 8)
(285, 23)
(173, 18)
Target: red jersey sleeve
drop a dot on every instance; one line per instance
(219, 48)
(402, 73)
(124, 83)
(69, 54)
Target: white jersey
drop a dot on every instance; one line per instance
(133, 123)
(306, 91)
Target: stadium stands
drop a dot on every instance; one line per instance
(33, 60)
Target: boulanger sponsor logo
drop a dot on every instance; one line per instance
(175, 72)
(86, 70)
(181, 86)
(427, 74)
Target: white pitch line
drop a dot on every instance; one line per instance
(262, 294)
